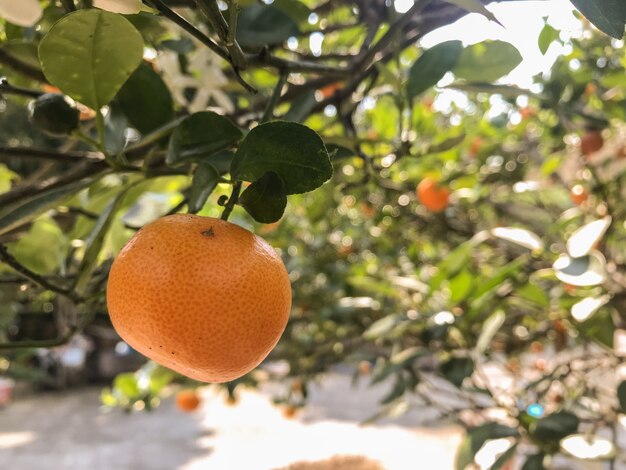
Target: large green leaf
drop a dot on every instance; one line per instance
(89, 54)
(261, 25)
(475, 439)
(432, 66)
(95, 240)
(534, 462)
(204, 181)
(265, 199)
(201, 135)
(554, 427)
(457, 369)
(487, 61)
(27, 209)
(608, 16)
(547, 36)
(44, 232)
(146, 100)
(292, 151)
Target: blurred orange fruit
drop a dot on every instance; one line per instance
(187, 400)
(432, 196)
(289, 412)
(591, 142)
(578, 194)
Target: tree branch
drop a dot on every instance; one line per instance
(21, 67)
(8, 259)
(47, 343)
(199, 35)
(51, 155)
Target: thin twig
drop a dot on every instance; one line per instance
(46, 343)
(43, 154)
(8, 259)
(225, 31)
(21, 67)
(199, 35)
(8, 89)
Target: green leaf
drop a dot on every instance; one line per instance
(504, 458)
(381, 327)
(94, 242)
(457, 369)
(204, 181)
(89, 54)
(475, 439)
(126, 384)
(621, 395)
(508, 91)
(292, 151)
(160, 377)
(107, 398)
(29, 208)
(301, 107)
(547, 36)
(396, 391)
(201, 135)
(432, 66)
(407, 356)
(554, 427)
(265, 199)
(487, 61)
(296, 10)
(221, 160)
(146, 100)
(609, 16)
(261, 25)
(43, 232)
(475, 6)
(489, 330)
(461, 286)
(534, 462)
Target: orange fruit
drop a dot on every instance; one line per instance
(590, 89)
(578, 194)
(199, 295)
(591, 142)
(364, 367)
(433, 197)
(367, 210)
(289, 412)
(475, 146)
(329, 90)
(527, 112)
(187, 400)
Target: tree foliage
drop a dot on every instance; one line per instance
(312, 123)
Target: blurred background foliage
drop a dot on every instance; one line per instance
(503, 311)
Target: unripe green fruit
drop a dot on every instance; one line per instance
(54, 113)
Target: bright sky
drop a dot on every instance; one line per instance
(522, 23)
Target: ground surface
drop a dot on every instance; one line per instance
(70, 431)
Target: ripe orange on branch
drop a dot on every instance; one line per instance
(199, 295)
(432, 196)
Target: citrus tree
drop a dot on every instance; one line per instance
(455, 236)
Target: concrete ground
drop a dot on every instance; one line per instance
(70, 431)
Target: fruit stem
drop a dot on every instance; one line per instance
(232, 201)
(100, 129)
